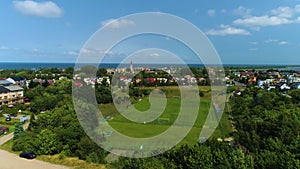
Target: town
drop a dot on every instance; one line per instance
(40, 98)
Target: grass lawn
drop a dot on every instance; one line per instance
(140, 130)
(11, 129)
(8, 147)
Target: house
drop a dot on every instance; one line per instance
(18, 80)
(271, 87)
(4, 94)
(16, 94)
(296, 85)
(11, 95)
(252, 80)
(150, 80)
(62, 77)
(264, 82)
(285, 87)
(5, 83)
(79, 84)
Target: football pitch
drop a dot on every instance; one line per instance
(166, 118)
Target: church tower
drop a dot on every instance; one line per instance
(131, 67)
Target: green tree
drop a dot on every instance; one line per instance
(47, 142)
(19, 131)
(101, 72)
(90, 151)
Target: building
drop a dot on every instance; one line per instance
(18, 80)
(131, 67)
(4, 94)
(11, 95)
(5, 83)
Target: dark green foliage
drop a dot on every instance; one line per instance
(33, 84)
(25, 143)
(210, 155)
(101, 72)
(19, 131)
(57, 129)
(268, 125)
(47, 142)
(90, 151)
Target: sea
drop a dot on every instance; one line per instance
(37, 65)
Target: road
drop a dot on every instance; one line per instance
(13, 161)
(11, 135)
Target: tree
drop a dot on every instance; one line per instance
(89, 70)
(46, 83)
(101, 72)
(19, 131)
(47, 142)
(25, 143)
(33, 84)
(90, 151)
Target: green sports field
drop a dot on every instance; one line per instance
(169, 115)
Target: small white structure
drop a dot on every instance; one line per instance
(285, 87)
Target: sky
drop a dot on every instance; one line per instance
(242, 32)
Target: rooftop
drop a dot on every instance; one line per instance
(5, 82)
(14, 88)
(3, 90)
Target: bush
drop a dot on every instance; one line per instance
(25, 143)
(94, 158)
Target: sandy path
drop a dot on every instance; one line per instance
(13, 161)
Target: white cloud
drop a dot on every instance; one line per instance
(95, 51)
(283, 43)
(297, 8)
(118, 23)
(228, 30)
(154, 54)
(242, 11)
(211, 12)
(257, 21)
(271, 40)
(279, 16)
(223, 11)
(46, 9)
(72, 53)
(279, 42)
(4, 48)
(285, 12)
(35, 50)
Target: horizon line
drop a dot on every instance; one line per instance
(246, 64)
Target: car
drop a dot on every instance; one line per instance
(23, 119)
(13, 115)
(28, 155)
(8, 119)
(3, 129)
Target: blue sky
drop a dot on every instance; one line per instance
(243, 32)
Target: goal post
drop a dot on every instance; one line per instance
(163, 121)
